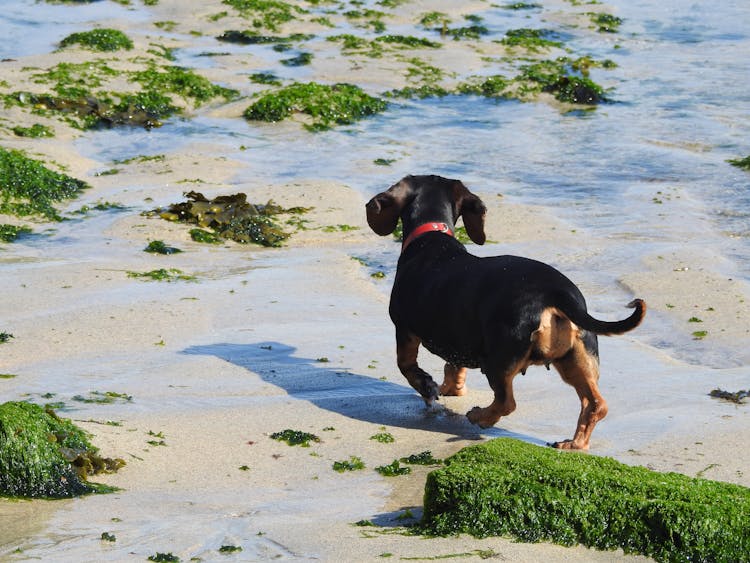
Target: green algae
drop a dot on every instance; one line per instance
(605, 23)
(422, 458)
(99, 40)
(393, 469)
(267, 14)
(295, 437)
(743, 163)
(5, 337)
(352, 464)
(181, 81)
(302, 59)
(383, 437)
(267, 78)
(162, 274)
(337, 104)
(160, 247)
(205, 237)
(36, 131)
(510, 488)
(230, 217)
(9, 233)
(252, 37)
(160, 557)
(45, 456)
(80, 100)
(531, 39)
(29, 188)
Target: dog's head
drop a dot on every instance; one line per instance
(422, 199)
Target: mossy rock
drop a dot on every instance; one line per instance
(44, 456)
(510, 488)
(28, 187)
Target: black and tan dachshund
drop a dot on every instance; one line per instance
(501, 314)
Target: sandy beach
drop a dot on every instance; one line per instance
(298, 337)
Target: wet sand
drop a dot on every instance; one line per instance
(299, 338)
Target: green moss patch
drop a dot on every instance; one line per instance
(99, 40)
(338, 104)
(509, 488)
(44, 456)
(28, 187)
(230, 217)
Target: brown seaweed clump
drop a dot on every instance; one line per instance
(231, 217)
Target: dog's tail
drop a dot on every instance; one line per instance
(580, 316)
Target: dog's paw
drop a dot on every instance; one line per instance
(477, 416)
(568, 445)
(450, 390)
(430, 392)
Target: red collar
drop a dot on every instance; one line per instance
(426, 228)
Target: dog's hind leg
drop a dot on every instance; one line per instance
(454, 381)
(580, 368)
(407, 348)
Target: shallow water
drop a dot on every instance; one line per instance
(679, 111)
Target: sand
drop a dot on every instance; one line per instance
(299, 338)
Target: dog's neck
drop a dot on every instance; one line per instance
(426, 228)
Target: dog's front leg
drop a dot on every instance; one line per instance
(407, 348)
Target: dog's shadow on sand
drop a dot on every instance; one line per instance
(360, 397)
(357, 396)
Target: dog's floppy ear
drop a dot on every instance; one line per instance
(473, 210)
(384, 210)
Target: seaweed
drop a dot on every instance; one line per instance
(159, 557)
(28, 187)
(162, 274)
(205, 237)
(5, 337)
(606, 23)
(159, 247)
(743, 163)
(230, 217)
(383, 437)
(9, 233)
(352, 464)
(302, 59)
(559, 79)
(409, 41)
(181, 81)
(732, 396)
(393, 469)
(45, 456)
(267, 78)
(268, 14)
(338, 104)
(531, 39)
(248, 37)
(506, 487)
(295, 437)
(36, 131)
(99, 40)
(422, 458)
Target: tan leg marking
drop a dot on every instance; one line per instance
(581, 370)
(454, 381)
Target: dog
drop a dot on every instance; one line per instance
(501, 314)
